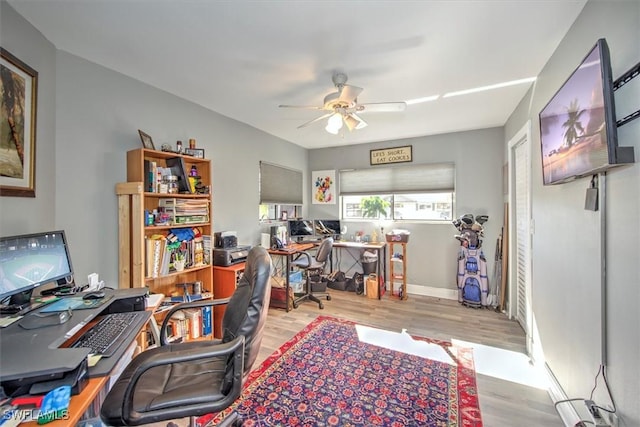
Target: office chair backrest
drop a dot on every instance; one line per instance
(322, 254)
(247, 310)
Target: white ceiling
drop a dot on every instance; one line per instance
(244, 58)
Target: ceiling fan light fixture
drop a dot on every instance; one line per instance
(354, 122)
(334, 124)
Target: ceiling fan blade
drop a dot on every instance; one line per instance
(354, 122)
(349, 93)
(305, 107)
(317, 119)
(382, 107)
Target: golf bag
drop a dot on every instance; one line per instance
(473, 283)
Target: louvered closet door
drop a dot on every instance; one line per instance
(523, 241)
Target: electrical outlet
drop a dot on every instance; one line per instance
(595, 413)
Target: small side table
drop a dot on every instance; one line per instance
(398, 270)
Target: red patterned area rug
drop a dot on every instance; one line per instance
(325, 376)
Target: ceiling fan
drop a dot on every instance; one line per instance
(342, 106)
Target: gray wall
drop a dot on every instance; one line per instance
(20, 215)
(566, 243)
(88, 119)
(432, 250)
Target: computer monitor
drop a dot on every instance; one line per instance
(327, 227)
(300, 229)
(31, 260)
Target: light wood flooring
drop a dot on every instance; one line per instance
(502, 403)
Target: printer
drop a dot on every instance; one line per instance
(225, 239)
(229, 256)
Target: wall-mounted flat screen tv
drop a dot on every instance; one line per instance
(578, 132)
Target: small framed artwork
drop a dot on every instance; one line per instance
(323, 188)
(19, 88)
(147, 142)
(195, 152)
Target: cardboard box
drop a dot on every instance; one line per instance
(371, 283)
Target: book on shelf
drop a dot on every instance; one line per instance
(194, 321)
(206, 249)
(186, 298)
(207, 328)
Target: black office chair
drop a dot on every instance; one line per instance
(314, 266)
(197, 378)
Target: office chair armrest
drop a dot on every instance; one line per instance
(184, 306)
(150, 359)
(306, 255)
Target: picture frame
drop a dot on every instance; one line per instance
(147, 141)
(323, 187)
(385, 156)
(18, 126)
(195, 152)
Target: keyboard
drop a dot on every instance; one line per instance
(106, 336)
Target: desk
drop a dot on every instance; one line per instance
(225, 282)
(381, 250)
(46, 353)
(291, 251)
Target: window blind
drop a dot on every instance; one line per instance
(434, 177)
(280, 185)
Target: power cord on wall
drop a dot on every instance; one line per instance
(589, 402)
(602, 370)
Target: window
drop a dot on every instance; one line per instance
(280, 192)
(416, 192)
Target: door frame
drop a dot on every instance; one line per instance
(523, 136)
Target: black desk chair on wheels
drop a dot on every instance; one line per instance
(196, 378)
(314, 265)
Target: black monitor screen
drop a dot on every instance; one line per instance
(32, 260)
(299, 228)
(327, 227)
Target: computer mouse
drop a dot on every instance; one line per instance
(94, 295)
(63, 316)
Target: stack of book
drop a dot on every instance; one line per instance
(185, 211)
(189, 324)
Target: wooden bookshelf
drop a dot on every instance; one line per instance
(138, 197)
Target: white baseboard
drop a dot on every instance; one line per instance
(567, 412)
(431, 291)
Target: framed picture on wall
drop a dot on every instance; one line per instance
(147, 141)
(195, 152)
(323, 187)
(19, 87)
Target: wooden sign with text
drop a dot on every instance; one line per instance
(391, 155)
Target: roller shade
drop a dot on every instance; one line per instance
(280, 185)
(434, 177)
